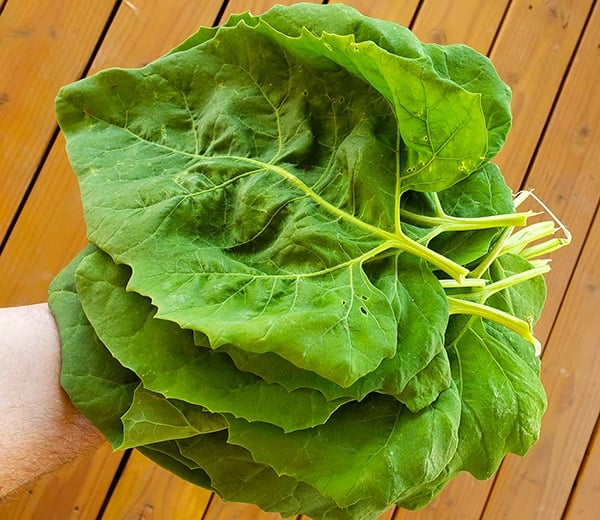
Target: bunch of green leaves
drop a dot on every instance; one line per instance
(304, 288)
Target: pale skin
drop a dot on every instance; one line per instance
(40, 430)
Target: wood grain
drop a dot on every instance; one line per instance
(532, 53)
(50, 230)
(256, 7)
(471, 23)
(565, 172)
(585, 498)
(149, 492)
(220, 510)
(43, 45)
(399, 11)
(90, 475)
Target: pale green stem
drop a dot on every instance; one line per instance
(450, 267)
(439, 210)
(398, 239)
(484, 291)
(449, 223)
(491, 255)
(522, 238)
(514, 279)
(550, 245)
(520, 197)
(479, 283)
(545, 248)
(521, 327)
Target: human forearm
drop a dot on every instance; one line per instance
(40, 430)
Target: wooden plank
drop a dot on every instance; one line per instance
(48, 234)
(472, 23)
(144, 30)
(35, 39)
(90, 474)
(564, 175)
(585, 499)
(531, 53)
(538, 485)
(388, 515)
(399, 11)
(464, 498)
(148, 491)
(50, 230)
(256, 7)
(220, 510)
(565, 172)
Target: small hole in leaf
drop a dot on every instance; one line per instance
(364, 311)
(343, 302)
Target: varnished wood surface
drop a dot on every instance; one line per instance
(548, 51)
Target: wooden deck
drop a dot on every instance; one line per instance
(547, 50)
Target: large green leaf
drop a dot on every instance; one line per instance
(237, 477)
(105, 391)
(97, 384)
(168, 362)
(453, 110)
(211, 462)
(152, 418)
(234, 200)
(376, 449)
(497, 374)
(162, 455)
(284, 212)
(503, 401)
(502, 405)
(425, 386)
(417, 392)
(420, 341)
(263, 189)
